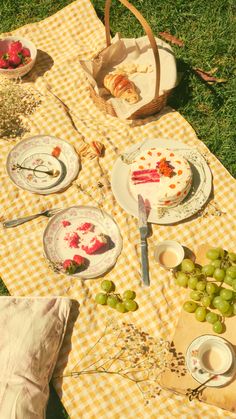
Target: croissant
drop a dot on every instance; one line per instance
(120, 86)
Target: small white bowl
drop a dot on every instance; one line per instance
(18, 71)
(215, 356)
(169, 254)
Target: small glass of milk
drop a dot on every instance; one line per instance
(169, 254)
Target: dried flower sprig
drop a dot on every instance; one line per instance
(17, 102)
(126, 351)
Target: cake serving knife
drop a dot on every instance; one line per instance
(143, 228)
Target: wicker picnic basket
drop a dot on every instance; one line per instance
(159, 101)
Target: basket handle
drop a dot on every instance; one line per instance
(147, 29)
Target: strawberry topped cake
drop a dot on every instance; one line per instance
(161, 176)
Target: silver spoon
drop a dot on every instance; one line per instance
(53, 172)
(193, 393)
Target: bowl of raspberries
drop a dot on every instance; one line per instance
(17, 56)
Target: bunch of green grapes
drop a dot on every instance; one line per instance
(207, 287)
(123, 303)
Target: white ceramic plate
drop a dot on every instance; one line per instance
(36, 152)
(56, 248)
(196, 198)
(201, 375)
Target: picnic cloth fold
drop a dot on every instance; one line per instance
(67, 112)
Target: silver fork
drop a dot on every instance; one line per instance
(18, 221)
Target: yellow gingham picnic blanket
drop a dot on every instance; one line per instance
(72, 34)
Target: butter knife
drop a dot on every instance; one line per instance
(143, 228)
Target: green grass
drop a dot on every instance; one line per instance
(208, 31)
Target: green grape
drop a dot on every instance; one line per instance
(234, 308)
(219, 274)
(221, 251)
(212, 317)
(216, 301)
(195, 295)
(200, 314)
(101, 298)
(226, 294)
(197, 271)
(192, 282)
(223, 306)
(216, 263)
(229, 312)
(234, 284)
(181, 279)
(218, 327)
(208, 270)
(130, 305)
(121, 307)
(206, 300)
(129, 295)
(112, 301)
(228, 280)
(213, 254)
(232, 256)
(211, 288)
(201, 285)
(187, 265)
(190, 306)
(231, 271)
(107, 285)
(225, 264)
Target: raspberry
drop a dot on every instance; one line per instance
(15, 47)
(80, 260)
(4, 63)
(25, 52)
(14, 59)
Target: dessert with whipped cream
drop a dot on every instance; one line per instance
(161, 176)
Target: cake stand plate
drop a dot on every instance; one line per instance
(196, 198)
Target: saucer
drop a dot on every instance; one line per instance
(200, 374)
(29, 150)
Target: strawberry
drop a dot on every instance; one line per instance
(15, 47)
(69, 266)
(72, 266)
(80, 260)
(4, 63)
(14, 59)
(25, 52)
(56, 152)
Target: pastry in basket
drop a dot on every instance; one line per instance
(121, 87)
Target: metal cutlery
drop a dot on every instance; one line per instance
(143, 228)
(194, 393)
(53, 173)
(18, 221)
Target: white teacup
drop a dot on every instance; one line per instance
(169, 254)
(215, 356)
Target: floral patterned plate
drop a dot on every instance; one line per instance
(196, 198)
(201, 375)
(36, 152)
(66, 224)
